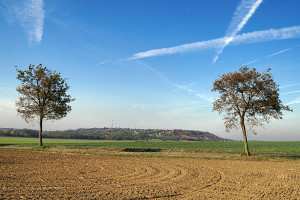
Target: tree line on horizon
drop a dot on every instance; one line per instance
(117, 134)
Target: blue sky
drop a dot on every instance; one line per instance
(151, 64)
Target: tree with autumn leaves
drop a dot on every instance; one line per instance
(43, 95)
(248, 99)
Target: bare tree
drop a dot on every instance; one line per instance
(247, 98)
(42, 95)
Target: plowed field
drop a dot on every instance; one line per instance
(39, 175)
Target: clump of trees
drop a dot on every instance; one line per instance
(19, 132)
(247, 98)
(43, 95)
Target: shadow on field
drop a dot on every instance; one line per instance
(141, 150)
(5, 144)
(282, 156)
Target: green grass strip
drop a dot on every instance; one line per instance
(255, 146)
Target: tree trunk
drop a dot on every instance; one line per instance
(245, 137)
(40, 132)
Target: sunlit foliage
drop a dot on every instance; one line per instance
(248, 98)
(43, 95)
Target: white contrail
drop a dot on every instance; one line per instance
(297, 100)
(267, 35)
(209, 44)
(31, 15)
(157, 73)
(290, 92)
(7, 104)
(245, 38)
(104, 62)
(181, 87)
(290, 85)
(274, 54)
(243, 13)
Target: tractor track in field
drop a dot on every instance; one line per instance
(41, 175)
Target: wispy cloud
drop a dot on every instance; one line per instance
(243, 13)
(7, 105)
(156, 72)
(297, 91)
(189, 90)
(245, 38)
(274, 54)
(178, 86)
(291, 85)
(104, 62)
(30, 14)
(209, 44)
(297, 100)
(267, 35)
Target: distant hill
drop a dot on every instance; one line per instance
(118, 134)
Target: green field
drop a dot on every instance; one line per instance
(261, 147)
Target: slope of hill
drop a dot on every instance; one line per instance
(118, 134)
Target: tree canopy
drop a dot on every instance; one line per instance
(43, 95)
(248, 98)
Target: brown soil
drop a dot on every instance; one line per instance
(40, 175)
